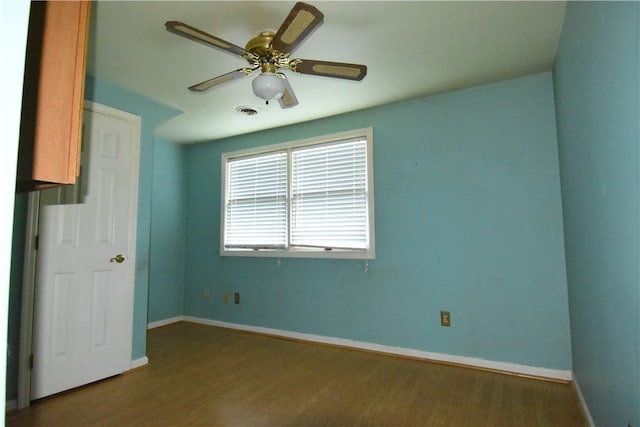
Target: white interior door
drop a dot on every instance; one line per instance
(85, 262)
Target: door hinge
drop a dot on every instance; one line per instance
(36, 242)
(31, 361)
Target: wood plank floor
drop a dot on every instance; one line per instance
(205, 376)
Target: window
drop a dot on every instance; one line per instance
(309, 198)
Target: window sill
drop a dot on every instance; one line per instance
(300, 253)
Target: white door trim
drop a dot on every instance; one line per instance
(28, 289)
(30, 257)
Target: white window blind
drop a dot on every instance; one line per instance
(329, 195)
(256, 205)
(309, 198)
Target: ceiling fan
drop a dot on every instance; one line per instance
(269, 52)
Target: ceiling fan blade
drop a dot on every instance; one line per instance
(217, 81)
(300, 22)
(288, 98)
(340, 70)
(200, 36)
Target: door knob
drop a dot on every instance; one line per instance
(118, 258)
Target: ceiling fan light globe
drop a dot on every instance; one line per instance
(268, 86)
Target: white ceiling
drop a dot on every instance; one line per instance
(412, 49)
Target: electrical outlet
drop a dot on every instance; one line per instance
(225, 297)
(236, 298)
(205, 294)
(445, 318)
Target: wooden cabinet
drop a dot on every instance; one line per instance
(51, 123)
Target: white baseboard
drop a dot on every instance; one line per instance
(11, 405)
(165, 322)
(511, 368)
(582, 402)
(139, 362)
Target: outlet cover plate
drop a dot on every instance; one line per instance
(445, 319)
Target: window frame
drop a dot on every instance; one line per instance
(302, 252)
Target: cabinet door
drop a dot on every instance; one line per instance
(54, 90)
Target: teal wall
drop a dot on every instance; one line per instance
(15, 294)
(168, 232)
(152, 114)
(597, 91)
(468, 219)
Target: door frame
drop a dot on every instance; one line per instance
(30, 256)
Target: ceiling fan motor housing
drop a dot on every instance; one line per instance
(260, 45)
(261, 52)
